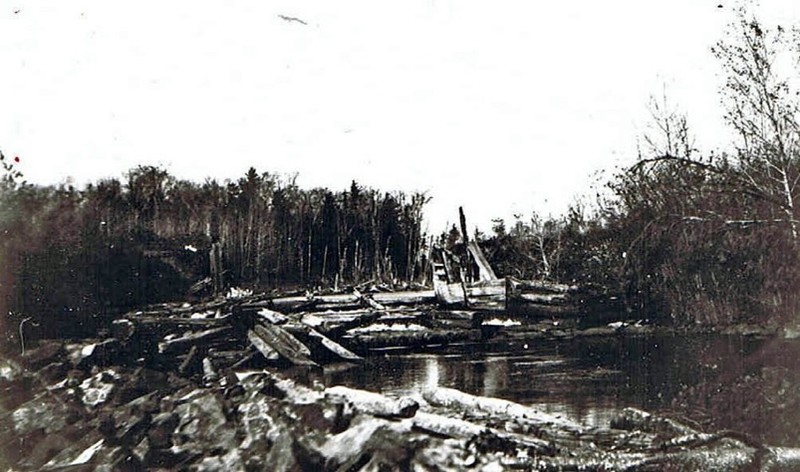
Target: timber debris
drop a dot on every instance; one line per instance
(235, 384)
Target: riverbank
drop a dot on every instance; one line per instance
(88, 414)
(234, 384)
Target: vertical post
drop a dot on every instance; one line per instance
(215, 260)
(466, 265)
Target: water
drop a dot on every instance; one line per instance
(587, 379)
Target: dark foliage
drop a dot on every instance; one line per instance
(82, 254)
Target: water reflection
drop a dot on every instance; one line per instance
(585, 379)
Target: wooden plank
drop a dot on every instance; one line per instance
(485, 271)
(249, 357)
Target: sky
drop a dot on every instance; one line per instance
(504, 107)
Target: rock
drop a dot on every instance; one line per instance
(123, 329)
(202, 424)
(10, 371)
(48, 352)
(161, 429)
(100, 354)
(128, 423)
(98, 388)
(117, 459)
(16, 385)
(141, 382)
(42, 413)
(78, 453)
(74, 377)
(230, 461)
(53, 372)
(368, 440)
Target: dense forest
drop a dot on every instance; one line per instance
(118, 244)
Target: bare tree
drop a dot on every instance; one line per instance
(668, 130)
(762, 106)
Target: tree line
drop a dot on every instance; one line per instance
(688, 237)
(148, 237)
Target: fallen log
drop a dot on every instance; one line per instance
(342, 301)
(496, 407)
(419, 297)
(335, 324)
(185, 342)
(374, 403)
(262, 346)
(246, 360)
(285, 344)
(272, 316)
(191, 363)
(322, 347)
(368, 301)
(160, 325)
(411, 338)
(636, 419)
(282, 304)
(461, 429)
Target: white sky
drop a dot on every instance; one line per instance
(503, 107)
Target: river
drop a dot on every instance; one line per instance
(585, 379)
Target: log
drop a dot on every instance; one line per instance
(293, 304)
(348, 301)
(262, 346)
(185, 342)
(405, 298)
(244, 317)
(461, 429)
(158, 326)
(285, 344)
(636, 419)
(191, 362)
(336, 324)
(321, 346)
(210, 374)
(374, 403)
(368, 301)
(427, 337)
(246, 359)
(458, 400)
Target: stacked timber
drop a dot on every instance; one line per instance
(265, 328)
